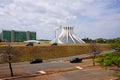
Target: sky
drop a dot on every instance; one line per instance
(90, 18)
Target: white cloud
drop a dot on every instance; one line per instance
(88, 16)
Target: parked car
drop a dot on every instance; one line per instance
(36, 61)
(117, 49)
(75, 60)
(54, 44)
(29, 44)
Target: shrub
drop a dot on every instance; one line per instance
(110, 59)
(116, 44)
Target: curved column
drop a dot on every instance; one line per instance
(67, 36)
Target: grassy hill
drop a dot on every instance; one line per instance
(21, 52)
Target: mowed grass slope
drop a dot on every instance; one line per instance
(26, 53)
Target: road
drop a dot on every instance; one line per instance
(90, 74)
(80, 56)
(25, 68)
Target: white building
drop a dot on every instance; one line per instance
(67, 36)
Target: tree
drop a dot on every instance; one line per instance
(9, 58)
(112, 59)
(100, 40)
(109, 41)
(87, 40)
(116, 44)
(95, 50)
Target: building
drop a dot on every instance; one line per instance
(17, 36)
(67, 36)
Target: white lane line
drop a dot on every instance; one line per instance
(42, 72)
(78, 67)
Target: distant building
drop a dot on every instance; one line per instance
(17, 36)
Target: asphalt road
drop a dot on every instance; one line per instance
(87, 73)
(27, 68)
(92, 74)
(23, 68)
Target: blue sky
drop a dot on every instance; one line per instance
(90, 18)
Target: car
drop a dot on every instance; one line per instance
(75, 60)
(54, 44)
(36, 61)
(29, 44)
(117, 49)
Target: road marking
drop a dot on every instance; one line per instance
(78, 67)
(42, 72)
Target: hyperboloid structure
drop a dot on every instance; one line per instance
(67, 36)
